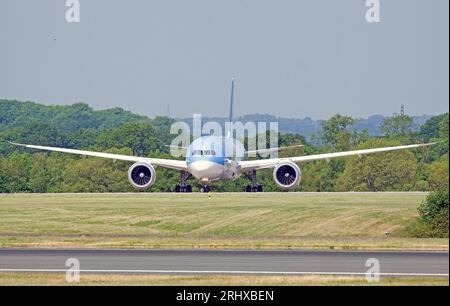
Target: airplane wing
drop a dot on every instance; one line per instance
(265, 151)
(245, 166)
(165, 163)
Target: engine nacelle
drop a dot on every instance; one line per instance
(141, 176)
(287, 175)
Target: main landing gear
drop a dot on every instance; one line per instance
(254, 187)
(183, 186)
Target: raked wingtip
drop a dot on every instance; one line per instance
(14, 143)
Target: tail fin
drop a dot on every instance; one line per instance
(232, 101)
(231, 107)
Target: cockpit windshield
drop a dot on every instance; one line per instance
(204, 153)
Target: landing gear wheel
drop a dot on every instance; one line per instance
(183, 186)
(205, 189)
(185, 189)
(254, 187)
(257, 188)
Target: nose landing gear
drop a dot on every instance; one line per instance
(257, 188)
(205, 189)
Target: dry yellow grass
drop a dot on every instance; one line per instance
(19, 279)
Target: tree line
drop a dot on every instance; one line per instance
(119, 131)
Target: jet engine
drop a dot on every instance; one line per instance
(287, 175)
(141, 176)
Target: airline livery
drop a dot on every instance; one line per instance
(219, 158)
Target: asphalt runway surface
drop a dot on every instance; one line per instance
(233, 262)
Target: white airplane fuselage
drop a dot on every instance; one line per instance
(213, 158)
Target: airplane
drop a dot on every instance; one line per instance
(207, 161)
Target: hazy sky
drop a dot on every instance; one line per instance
(292, 58)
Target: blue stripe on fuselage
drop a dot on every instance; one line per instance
(213, 159)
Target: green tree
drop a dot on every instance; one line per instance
(321, 176)
(443, 127)
(435, 203)
(96, 175)
(434, 213)
(3, 175)
(338, 132)
(436, 130)
(438, 174)
(141, 138)
(75, 117)
(432, 128)
(18, 169)
(114, 118)
(65, 118)
(443, 134)
(433, 220)
(397, 126)
(162, 127)
(47, 172)
(83, 138)
(39, 174)
(390, 171)
(32, 133)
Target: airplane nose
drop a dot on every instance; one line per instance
(206, 170)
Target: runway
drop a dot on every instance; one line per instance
(426, 264)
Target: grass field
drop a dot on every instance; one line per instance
(22, 279)
(270, 221)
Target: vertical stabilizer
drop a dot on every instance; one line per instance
(231, 118)
(232, 101)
